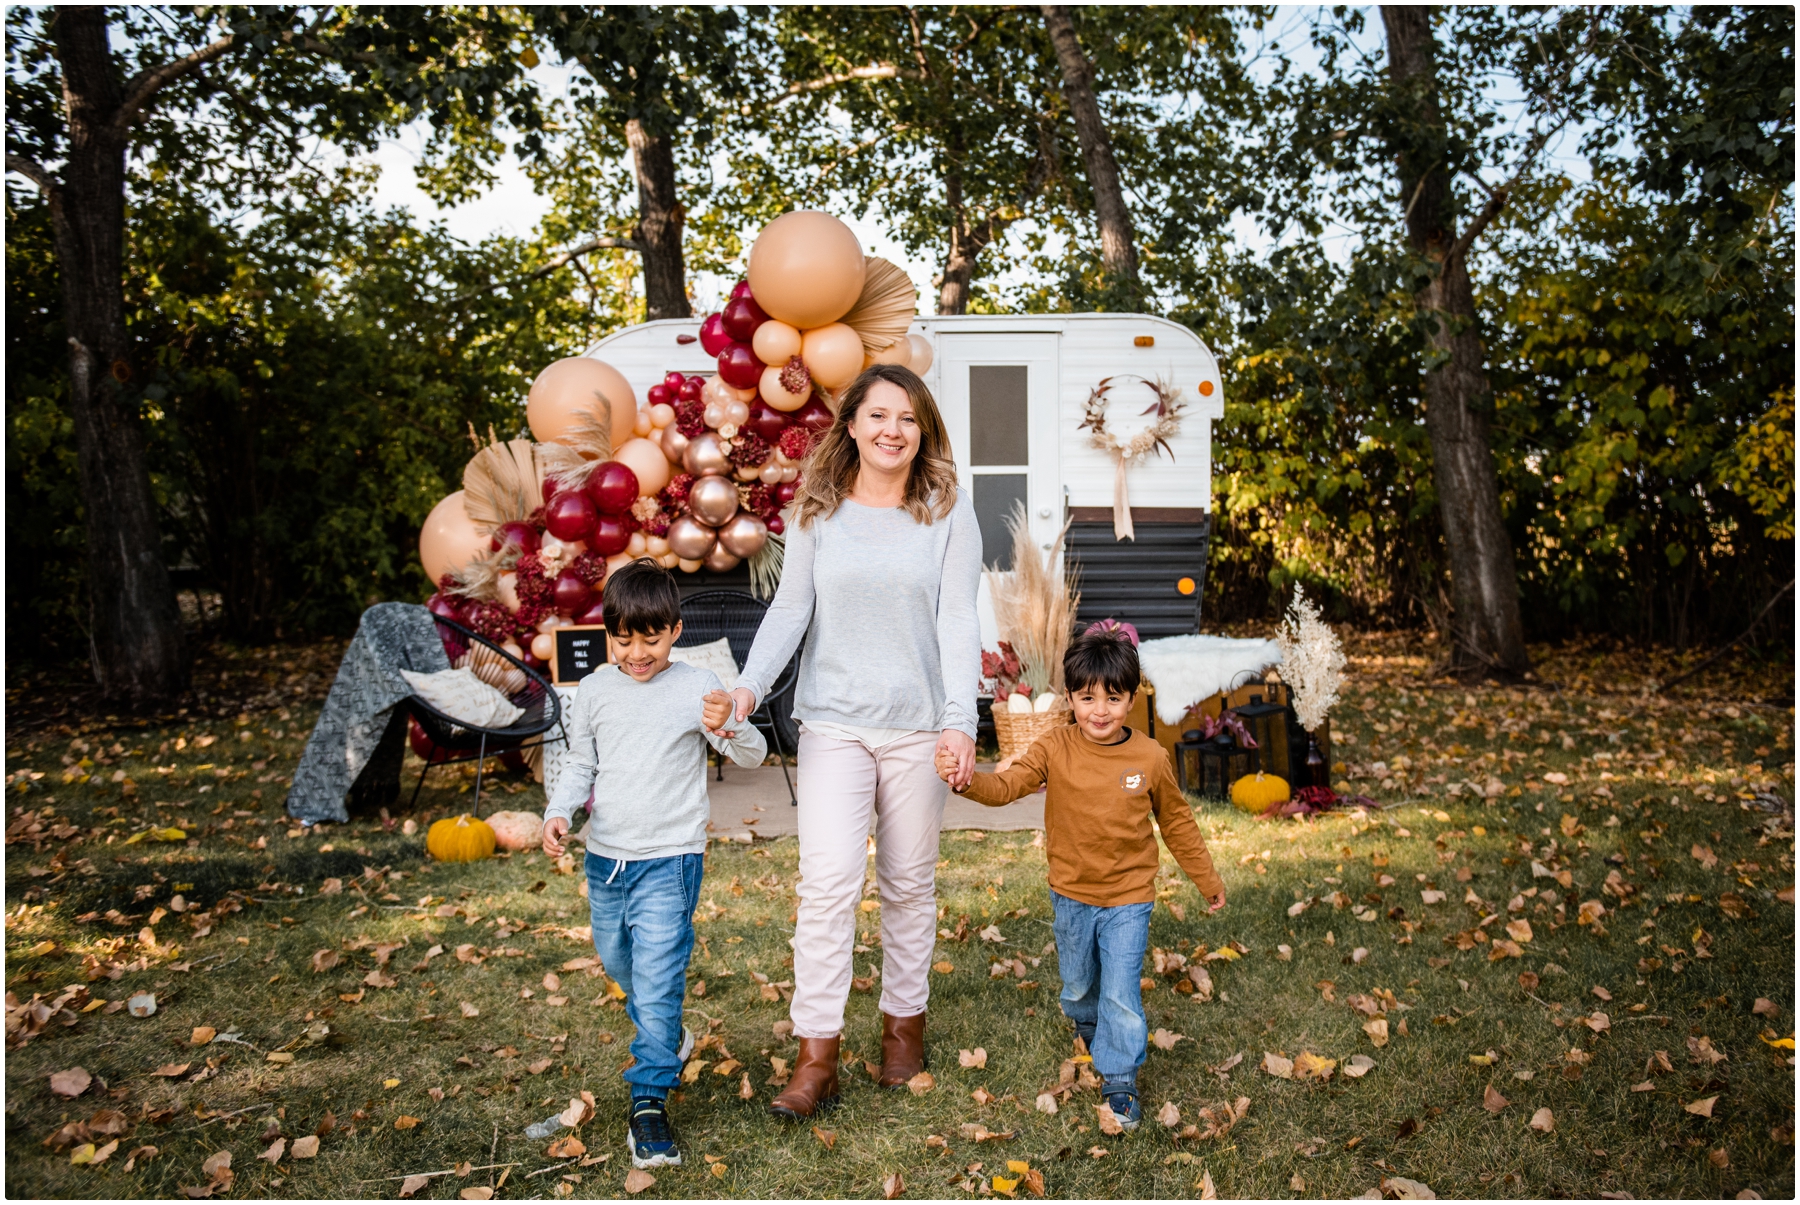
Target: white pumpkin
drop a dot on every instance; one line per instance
(517, 830)
(1044, 702)
(1019, 704)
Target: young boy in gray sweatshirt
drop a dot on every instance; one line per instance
(638, 733)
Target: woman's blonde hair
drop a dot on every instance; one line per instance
(831, 467)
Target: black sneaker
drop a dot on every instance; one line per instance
(652, 1138)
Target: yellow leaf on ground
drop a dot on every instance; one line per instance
(1377, 1031)
(1308, 1065)
(404, 1122)
(943, 968)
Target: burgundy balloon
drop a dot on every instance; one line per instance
(572, 593)
(712, 336)
(785, 492)
(522, 534)
(740, 368)
(595, 613)
(674, 380)
(766, 421)
(532, 662)
(740, 289)
(612, 488)
(815, 416)
(427, 749)
(693, 387)
(437, 604)
(660, 395)
(570, 516)
(549, 489)
(610, 537)
(776, 525)
(741, 317)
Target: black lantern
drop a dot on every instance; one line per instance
(1187, 752)
(1267, 716)
(1221, 764)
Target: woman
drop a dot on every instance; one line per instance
(883, 559)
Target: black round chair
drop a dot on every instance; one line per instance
(735, 617)
(459, 741)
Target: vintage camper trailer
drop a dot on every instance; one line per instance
(1013, 389)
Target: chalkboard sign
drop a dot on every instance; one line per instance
(580, 650)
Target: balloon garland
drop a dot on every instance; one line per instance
(1168, 409)
(699, 475)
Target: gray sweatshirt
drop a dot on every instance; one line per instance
(887, 608)
(641, 748)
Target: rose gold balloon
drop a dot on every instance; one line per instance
(674, 445)
(770, 473)
(833, 354)
(776, 394)
(720, 561)
(690, 540)
(921, 353)
(806, 269)
(713, 500)
(790, 473)
(566, 388)
(775, 342)
(744, 536)
(705, 456)
(448, 540)
(647, 461)
(900, 352)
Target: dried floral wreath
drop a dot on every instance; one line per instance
(1168, 409)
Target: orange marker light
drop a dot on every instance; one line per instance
(1144, 341)
(1185, 585)
(1206, 388)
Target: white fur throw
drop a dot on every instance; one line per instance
(1186, 669)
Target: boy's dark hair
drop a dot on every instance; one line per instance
(641, 597)
(1105, 659)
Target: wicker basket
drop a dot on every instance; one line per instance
(1018, 731)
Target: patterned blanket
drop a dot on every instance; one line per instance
(358, 744)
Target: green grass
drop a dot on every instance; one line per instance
(1677, 774)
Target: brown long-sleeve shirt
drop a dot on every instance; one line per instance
(1100, 845)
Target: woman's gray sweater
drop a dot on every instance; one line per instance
(887, 607)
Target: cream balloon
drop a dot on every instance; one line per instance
(637, 545)
(647, 461)
(720, 561)
(736, 413)
(900, 352)
(705, 456)
(449, 539)
(744, 536)
(542, 645)
(688, 566)
(748, 472)
(833, 354)
(775, 342)
(776, 394)
(690, 540)
(655, 546)
(669, 560)
(713, 500)
(642, 425)
(806, 269)
(770, 473)
(566, 388)
(921, 353)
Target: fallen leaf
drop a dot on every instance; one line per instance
(1358, 1065)
(202, 1035)
(218, 1168)
(1543, 1121)
(324, 960)
(280, 1056)
(982, 1096)
(172, 1070)
(1702, 1107)
(1718, 1159)
(745, 1091)
(1402, 1189)
(1601, 993)
(481, 1193)
(1377, 1031)
(566, 1147)
(827, 1137)
(976, 1058)
(306, 1147)
(1284, 952)
(1492, 1101)
(1764, 1007)
(378, 979)
(1169, 1115)
(1309, 1066)
(70, 1083)
(1599, 1022)
(1109, 1121)
(276, 1150)
(1098, 1152)
(1208, 1191)
(142, 1005)
(1701, 1050)
(405, 1122)
(413, 1184)
(539, 1066)
(1519, 930)
(1282, 1068)
(1706, 857)
(146, 1153)
(1358, 954)
(1432, 897)
(942, 968)
(892, 1185)
(469, 1010)
(1046, 1103)
(1646, 1086)
(921, 1083)
(1163, 1039)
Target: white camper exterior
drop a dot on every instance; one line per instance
(1012, 389)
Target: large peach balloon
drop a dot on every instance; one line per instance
(449, 540)
(567, 387)
(900, 352)
(921, 353)
(647, 460)
(775, 342)
(776, 394)
(806, 269)
(833, 354)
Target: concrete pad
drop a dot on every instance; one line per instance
(755, 801)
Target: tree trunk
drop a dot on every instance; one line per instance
(965, 249)
(1118, 250)
(660, 221)
(1486, 628)
(139, 655)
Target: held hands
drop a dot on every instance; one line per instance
(715, 712)
(743, 702)
(946, 764)
(961, 747)
(555, 830)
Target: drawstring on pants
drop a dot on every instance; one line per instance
(618, 865)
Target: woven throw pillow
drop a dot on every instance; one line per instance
(715, 656)
(459, 694)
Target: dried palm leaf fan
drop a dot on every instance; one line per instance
(500, 484)
(1034, 605)
(585, 445)
(886, 307)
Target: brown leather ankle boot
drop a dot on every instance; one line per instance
(902, 1049)
(814, 1086)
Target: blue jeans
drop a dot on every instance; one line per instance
(643, 918)
(1100, 952)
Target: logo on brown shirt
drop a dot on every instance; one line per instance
(1133, 782)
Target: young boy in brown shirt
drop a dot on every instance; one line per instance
(1105, 784)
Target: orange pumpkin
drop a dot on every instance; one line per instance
(460, 839)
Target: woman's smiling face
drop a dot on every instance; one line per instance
(885, 431)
